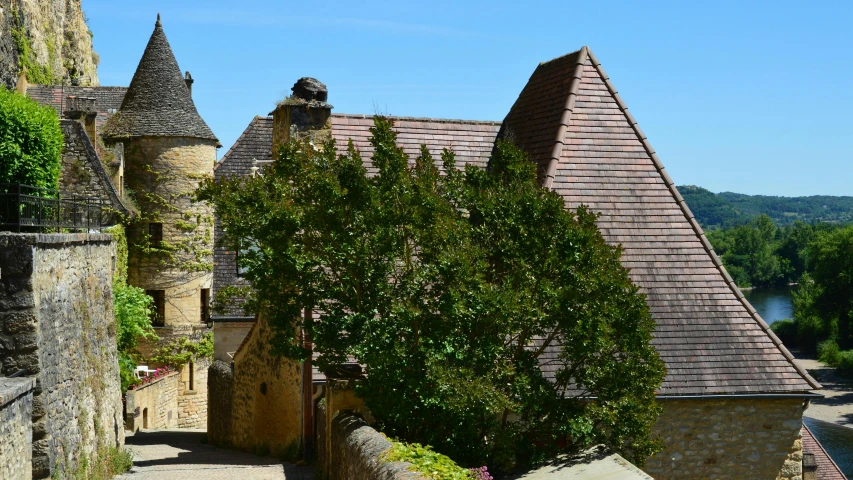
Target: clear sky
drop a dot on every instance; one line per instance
(745, 96)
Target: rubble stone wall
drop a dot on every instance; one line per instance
(729, 439)
(16, 428)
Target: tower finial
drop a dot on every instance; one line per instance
(158, 24)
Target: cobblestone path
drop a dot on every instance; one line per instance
(181, 455)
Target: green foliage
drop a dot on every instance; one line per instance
(450, 289)
(36, 72)
(30, 142)
(831, 266)
(120, 239)
(747, 252)
(725, 210)
(828, 352)
(183, 350)
(426, 461)
(786, 330)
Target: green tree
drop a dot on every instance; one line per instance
(30, 142)
(457, 292)
(831, 261)
(748, 252)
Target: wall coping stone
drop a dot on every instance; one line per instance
(54, 238)
(12, 388)
(155, 382)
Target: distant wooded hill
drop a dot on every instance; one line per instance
(727, 209)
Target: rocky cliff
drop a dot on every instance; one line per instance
(48, 38)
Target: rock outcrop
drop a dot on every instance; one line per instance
(48, 38)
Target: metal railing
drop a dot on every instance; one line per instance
(24, 208)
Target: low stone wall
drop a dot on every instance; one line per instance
(16, 428)
(154, 405)
(192, 396)
(56, 311)
(356, 451)
(220, 391)
(729, 439)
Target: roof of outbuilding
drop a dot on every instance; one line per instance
(107, 99)
(590, 150)
(157, 102)
(827, 469)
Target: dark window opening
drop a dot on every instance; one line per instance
(264, 388)
(192, 375)
(158, 314)
(205, 305)
(155, 234)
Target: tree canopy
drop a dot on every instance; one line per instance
(30, 142)
(494, 324)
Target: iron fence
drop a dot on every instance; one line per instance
(24, 208)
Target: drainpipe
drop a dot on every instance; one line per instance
(307, 392)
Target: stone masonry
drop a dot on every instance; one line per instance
(16, 428)
(56, 310)
(153, 405)
(734, 438)
(192, 403)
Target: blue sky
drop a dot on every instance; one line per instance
(751, 97)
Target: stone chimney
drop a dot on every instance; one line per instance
(189, 81)
(82, 109)
(305, 114)
(809, 466)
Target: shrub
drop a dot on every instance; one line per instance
(30, 142)
(427, 461)
(829, 353)
(786, 330)
(845, 363)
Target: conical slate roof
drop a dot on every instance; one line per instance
(158, 102)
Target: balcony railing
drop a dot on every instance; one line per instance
(24, 208)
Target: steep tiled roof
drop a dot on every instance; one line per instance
(107, 99)
(826, 467)
(157, 102)
(712, 340)
(471, 140)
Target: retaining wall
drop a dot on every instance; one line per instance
(16, 428)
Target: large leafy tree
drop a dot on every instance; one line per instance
(494, 324)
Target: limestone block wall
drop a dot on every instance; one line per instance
(265, 412)
(56, 310)
(729, 439)
(154, 405)
(16, 427)
(227, 337)
(163, 173)
(356, 451)
(192, 403)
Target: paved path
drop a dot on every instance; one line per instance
(837, 405)
(181, 455)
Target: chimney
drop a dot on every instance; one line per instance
(305, 114)
(83, 110)
(189, 81)
(809, 466)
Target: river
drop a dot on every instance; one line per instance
(774, 304)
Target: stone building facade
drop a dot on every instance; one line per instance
(733, 396)
(56, 310)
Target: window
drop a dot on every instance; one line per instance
(158, 315)
(155, 234)
(205, 305)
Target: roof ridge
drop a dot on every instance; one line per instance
(420, 119)
(706, 244)
(236, 142)
(578, 51)
(568, 109)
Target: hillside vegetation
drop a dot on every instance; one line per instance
(727, 209)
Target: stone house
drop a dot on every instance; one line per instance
(733, 396)
(143, 149)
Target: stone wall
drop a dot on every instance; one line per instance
(729, 439)
(154, 405)
(192, 402)
(356, 451)
(266, 408)
(165, 172)
(56, 307)
(16, 428)
(82, 171)
(227, 337)
(220, 392)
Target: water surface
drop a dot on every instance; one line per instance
(773, 304)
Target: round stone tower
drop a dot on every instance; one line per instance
(169, 150)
